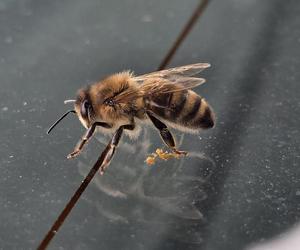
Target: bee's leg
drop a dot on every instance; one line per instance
(110, 149)
(88, 134)
(165, 134)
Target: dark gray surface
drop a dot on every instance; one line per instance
(241, 184)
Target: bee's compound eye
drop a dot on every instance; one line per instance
(85, 108)
(109, 102)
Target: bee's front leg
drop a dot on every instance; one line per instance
(110, 149)
(88, 134)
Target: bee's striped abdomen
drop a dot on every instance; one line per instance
(184, 108)
(205, 117)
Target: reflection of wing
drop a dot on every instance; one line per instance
(165, 81)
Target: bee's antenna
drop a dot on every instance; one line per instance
(68, 101)
(62, 117)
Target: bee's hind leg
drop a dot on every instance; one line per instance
(165, 134)
(88, 134)
(110, 149)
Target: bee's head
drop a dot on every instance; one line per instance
(83, 107)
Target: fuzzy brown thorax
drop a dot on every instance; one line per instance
(97, 102)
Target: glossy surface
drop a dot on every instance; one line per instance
(240, 185)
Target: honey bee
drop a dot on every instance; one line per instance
(122, 102)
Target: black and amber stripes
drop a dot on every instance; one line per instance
(205, 117)
(184, 108)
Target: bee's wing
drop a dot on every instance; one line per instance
(174, 85)
(164, 81)
(153, 86)
(187, 70)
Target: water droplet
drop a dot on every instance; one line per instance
(147, 18)
(8, 39)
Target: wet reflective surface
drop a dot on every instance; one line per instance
(240, 186)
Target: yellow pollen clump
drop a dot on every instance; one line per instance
(164, 155)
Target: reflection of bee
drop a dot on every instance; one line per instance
(123, 101)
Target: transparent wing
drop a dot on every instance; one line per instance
(179, 84)
(165, 81)
(158, 86)
(187, 70)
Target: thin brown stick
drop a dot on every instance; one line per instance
(63, 215)
(65, 212)
(183, 34)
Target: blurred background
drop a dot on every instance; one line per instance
(238, 189)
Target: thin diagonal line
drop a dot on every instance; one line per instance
(63, 215)
(183, 34)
